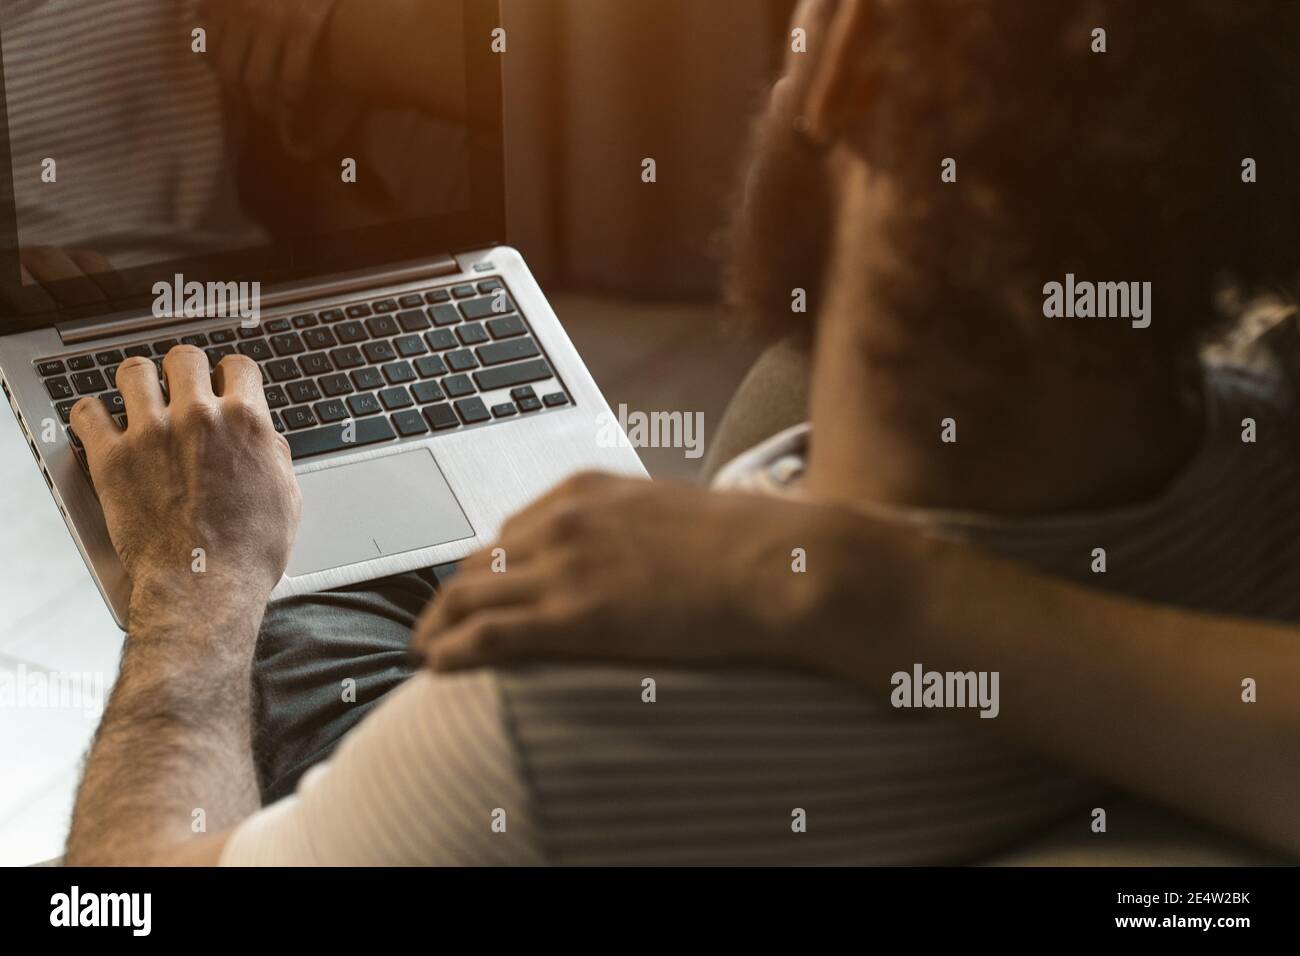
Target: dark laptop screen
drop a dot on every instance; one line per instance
(146, 138)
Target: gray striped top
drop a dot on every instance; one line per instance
(568, 765)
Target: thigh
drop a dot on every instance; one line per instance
(323, 661)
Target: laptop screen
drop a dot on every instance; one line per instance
(145, 139)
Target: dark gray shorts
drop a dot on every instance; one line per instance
(309, 647)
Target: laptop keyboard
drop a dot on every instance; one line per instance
(392, 368)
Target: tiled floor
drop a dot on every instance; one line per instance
(658, 357)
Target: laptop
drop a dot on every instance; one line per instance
(424, 384)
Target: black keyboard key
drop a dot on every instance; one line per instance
(504, 410)
(110, 373)
(315, 363)
(444, 315)
(305, 321)
(86, 383)
(362, 405)
(440, 340)
(507, 376)
(289, 343)
(359, 311)
(81, 363)
(257, 350)
(409, 423)
(461, 361)
(59, 387)
(217, 352)
(219, 337)
(249, 332)
(141, 351)
(335, 385)
(53, 367)
(507, 327)
(382, 326)
(351, 332)
(472, 410)
(458, 385)
(282, 370)
(409, 346)
(441, 417)
(65, 409)
(395, 398)
(487, 307)
(430, 366)
(113, 402)
(198, 340)
(510, 350)
(298, 417)
(529, 404)
(489, 285)
(304, 391)
(555, 400)
(411, 300)
(277, 326)
(331, 411)
(275, 397)
(414, 321)
(426, 392)
(331, 315)
(436, 296)
(319, 338)
(366, 379)
(165, 346)
(398, 373)
(462, 291)
(385, 305)
(278, 422)
(111, 357)
(377, 352)
(472, 334)
(524, 391)
(346, 358)
(322, 441)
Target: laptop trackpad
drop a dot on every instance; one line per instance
(372, 509)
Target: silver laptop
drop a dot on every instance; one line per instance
(424, 384)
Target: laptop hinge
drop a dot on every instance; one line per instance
(276, 297)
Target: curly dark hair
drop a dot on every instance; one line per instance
(1117, 166)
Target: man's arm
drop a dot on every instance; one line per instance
(1145, 697)
(172, 759)
(201, 503)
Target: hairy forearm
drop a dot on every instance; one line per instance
(172, 760)
(410, 55)
(1146, 697)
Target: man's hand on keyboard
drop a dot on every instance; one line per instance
(613, 568)
(198, 492)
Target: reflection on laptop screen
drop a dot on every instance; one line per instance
(149, 136)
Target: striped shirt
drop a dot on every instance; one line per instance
(569, 765)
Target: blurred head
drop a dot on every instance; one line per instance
(1117, 166)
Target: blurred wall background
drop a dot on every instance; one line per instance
(593, 87)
